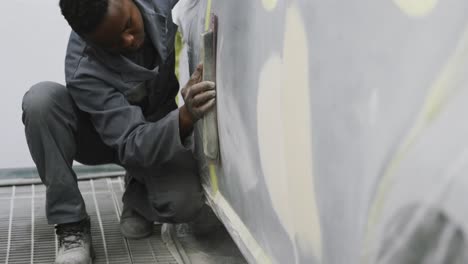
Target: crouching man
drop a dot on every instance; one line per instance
(118, 106)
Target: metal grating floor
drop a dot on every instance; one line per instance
(25, 236)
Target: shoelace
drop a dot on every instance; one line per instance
(70, 237)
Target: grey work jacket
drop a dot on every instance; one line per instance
(111, 88)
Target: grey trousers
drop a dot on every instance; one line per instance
(58, 133)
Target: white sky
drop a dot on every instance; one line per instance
(33, 37)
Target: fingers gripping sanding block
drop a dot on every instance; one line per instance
(210, 123)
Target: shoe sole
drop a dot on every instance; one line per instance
(135, 237)
(92, 255)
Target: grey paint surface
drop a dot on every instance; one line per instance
(387, 103)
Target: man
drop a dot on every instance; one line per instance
(119, 107)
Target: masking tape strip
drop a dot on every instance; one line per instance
(208, 15)
(213, 178)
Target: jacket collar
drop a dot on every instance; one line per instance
(156, 16)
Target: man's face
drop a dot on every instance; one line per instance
(122, 30)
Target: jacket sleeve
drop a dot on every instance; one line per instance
(123, 126)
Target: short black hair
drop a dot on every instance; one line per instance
(84, 16)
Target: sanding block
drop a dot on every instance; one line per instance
(210, 122)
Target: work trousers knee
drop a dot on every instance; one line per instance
(57, 133)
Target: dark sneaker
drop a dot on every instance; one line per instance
(75, 243)
(133, 225)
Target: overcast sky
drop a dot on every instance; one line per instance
(32, 49)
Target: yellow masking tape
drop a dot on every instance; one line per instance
(213, 177)
(208, 15)
(416, 8)
(269, 5)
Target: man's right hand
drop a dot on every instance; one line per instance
(199, 97)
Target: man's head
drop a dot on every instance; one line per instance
(114, 25)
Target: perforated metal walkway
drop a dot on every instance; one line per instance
(25, 236)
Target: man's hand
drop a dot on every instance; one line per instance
(199, 97)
